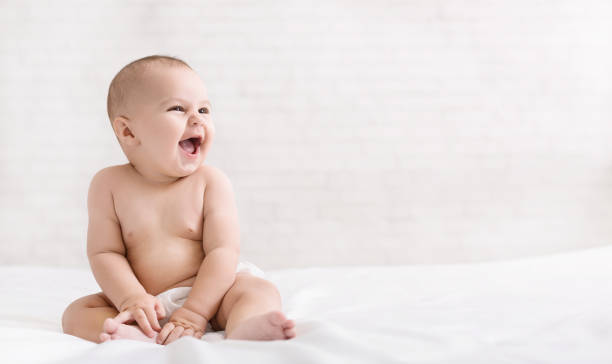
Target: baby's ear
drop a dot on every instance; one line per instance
(122, 131)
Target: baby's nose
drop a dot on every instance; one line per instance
(196, 120)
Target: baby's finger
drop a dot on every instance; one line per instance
(141, 319)
(124, 317)
(159, 308)
(165, 332)
(175, 334)
(188, 332)
(152, 317)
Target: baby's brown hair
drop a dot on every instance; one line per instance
(124, 81)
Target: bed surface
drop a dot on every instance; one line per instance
(548, 309)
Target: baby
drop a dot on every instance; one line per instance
(163, 238)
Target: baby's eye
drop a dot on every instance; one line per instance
(175, 108)
(204, 110)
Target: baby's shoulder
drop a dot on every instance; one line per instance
(212, 173)
(111, 171)
(108, 175)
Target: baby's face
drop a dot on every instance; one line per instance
(170, 108)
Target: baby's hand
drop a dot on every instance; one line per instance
(183, 322)
(143, 308)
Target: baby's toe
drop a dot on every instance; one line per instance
(289, 333)
(110, 326)
(277, 318)
(289, 324)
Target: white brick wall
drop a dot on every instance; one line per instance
(355, 132)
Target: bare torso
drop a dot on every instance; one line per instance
(161, 227)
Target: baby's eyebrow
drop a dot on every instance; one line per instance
(182, 100)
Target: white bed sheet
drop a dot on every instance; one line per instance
(550, 309)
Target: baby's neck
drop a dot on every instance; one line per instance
(154, 179)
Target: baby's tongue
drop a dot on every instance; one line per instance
(187, 146)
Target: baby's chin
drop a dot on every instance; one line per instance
(186, 168)
(186, 171)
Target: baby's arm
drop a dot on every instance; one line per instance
(106, 251)
(221, 243)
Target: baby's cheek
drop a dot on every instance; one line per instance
(209, 129)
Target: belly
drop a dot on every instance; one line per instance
(166, 263)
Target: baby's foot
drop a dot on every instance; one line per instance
(113, 330)
(269, 326)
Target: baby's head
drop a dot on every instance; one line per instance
(160, 113)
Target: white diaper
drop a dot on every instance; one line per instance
(175, 297)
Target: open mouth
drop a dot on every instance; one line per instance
(191, 146)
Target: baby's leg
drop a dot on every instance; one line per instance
(251, 310)
(92, 318)
(85, 317)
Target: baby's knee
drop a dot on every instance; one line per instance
(70, 317)
(259, 287)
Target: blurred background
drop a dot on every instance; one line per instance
(354, 132)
